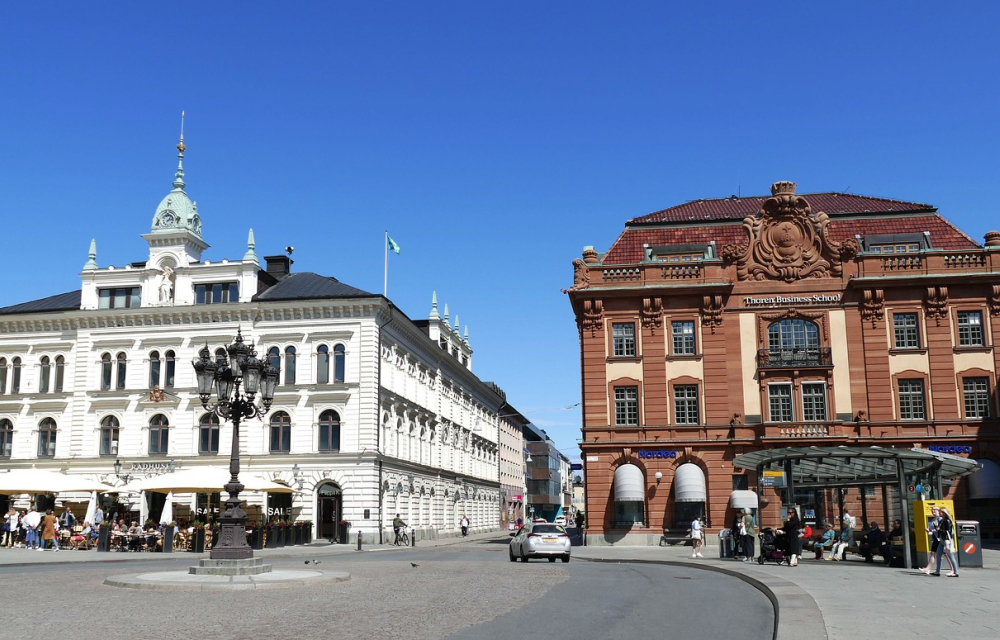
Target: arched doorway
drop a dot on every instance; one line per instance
(330, 505)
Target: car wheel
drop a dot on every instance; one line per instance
(552, 559)
(565, 558)
(511, 553)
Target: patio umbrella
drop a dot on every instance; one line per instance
(168, 509)
(40, 481)
(202, 480)
(91, 508)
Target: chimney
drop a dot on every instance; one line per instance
(278, 266)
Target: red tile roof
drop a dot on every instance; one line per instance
(734, 208)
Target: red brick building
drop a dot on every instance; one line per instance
(719, 327)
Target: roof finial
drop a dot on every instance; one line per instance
(466, 335)
(434, 306)
(250, 255)
(92, 262)
(446, 313)
(457, 330)
(179, 176)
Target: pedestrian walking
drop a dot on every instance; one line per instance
(946, 535)
(697, 538)
(49, 533)
(932, 533)
(791, 530)
(749, 534)
(464, 523)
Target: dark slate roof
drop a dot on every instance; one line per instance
(69, 301)
(734, 208)
(305, 286)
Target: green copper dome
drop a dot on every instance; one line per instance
(177, 212)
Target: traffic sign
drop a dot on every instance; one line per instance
(970, 547)
(912, 488)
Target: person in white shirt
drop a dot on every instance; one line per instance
(697, 538)
(31, 522)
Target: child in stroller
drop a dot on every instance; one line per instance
(773, 546)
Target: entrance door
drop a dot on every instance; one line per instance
(330, 498)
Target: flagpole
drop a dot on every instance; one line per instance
(385, 272)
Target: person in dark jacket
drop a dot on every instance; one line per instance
(791, 529)
(872, 543)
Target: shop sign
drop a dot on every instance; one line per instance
(656, 453)
(576, 466)
(750, 301)
(593, 458)
(773, 479)
(941, 448)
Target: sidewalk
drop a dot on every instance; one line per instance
(850, 600)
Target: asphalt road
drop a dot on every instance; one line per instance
(470, 592)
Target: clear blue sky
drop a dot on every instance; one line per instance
(493, 140)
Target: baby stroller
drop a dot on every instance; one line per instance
(772, 546)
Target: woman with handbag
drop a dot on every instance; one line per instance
(946, 535)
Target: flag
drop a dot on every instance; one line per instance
(392, 245)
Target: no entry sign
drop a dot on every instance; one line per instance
(969, 547)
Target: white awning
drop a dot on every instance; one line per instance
(743, 499)
(985, 483)
(689, 484)
(630, 485)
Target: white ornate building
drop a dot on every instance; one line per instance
(374, 414)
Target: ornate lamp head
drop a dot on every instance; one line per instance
(204, 369)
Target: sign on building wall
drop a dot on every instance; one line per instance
(773, 479)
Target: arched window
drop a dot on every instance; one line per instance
(109, 436)
(329, 431)
(339, 358)
(322, 364)
(122, 362)
(15, 377)
(6, 437)
(170, 366)
(44, 373)
(290, 365)
(281, 433)
(159, 435)
(274, 358)
(3, 376)
(208, 434)
(154, 369)
(47, 438)
(105, 371)
(60, 373)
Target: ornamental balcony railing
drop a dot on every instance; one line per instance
(794, 358)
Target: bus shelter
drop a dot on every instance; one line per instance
(842, 466)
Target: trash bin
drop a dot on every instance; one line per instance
(970, 544)
(725, 543)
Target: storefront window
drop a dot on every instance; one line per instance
(628, 514)
(688, 511)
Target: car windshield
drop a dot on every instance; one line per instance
(547, 528)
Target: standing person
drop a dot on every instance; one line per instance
(736, 533)
(98, 517)
(31, 521)
(5, 536)
(67, 519)
(932, 533)
(791, 530)
(13, 522)
(48, 526)
(464, 523)
(946, 528)
(749, 532)
(697, 538)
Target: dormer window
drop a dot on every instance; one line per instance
(120, 298)
(216, 293)
(896, 243)
(680, 253)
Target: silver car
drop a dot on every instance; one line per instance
(540, 540)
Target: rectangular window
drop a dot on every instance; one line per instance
(686, 404)
(977, 397)
(905, 330)
(626, 406)
(970, 328)
(122, 298)
(281, 438)
(909, 247)
(683, 337)
(208, 440)
(911, 400)
(813, 401)
(780, 402)
(624, 339)
(216, 293)
(158, 440)
(741, 482)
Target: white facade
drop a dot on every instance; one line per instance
(418, 431)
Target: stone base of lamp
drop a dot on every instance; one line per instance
(244, 567)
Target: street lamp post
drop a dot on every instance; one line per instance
(228, 375)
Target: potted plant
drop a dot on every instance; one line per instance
(297, 533)
(198, 543)
(256, 535)
(307, 532)
(270, 535)
(281, 530)
(345, 529)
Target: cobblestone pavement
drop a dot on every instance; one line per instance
(386, 598)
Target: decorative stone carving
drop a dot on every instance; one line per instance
(872, 305)
(652, 312)
(593, 315)
(711, 311)
(785, 241)
(994, 300)
(165, 285)
(937, 303)
(581, 276)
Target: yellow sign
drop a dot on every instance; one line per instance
(922, 521)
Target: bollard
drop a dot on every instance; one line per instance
(413, 537)
(359, 539)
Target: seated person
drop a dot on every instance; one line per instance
(826, 542)
(896, 533)
(806, 534)
(154, 539)
(135, 537)
(840, 548)
(872, 543)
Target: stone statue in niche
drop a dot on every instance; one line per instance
(165, 285)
